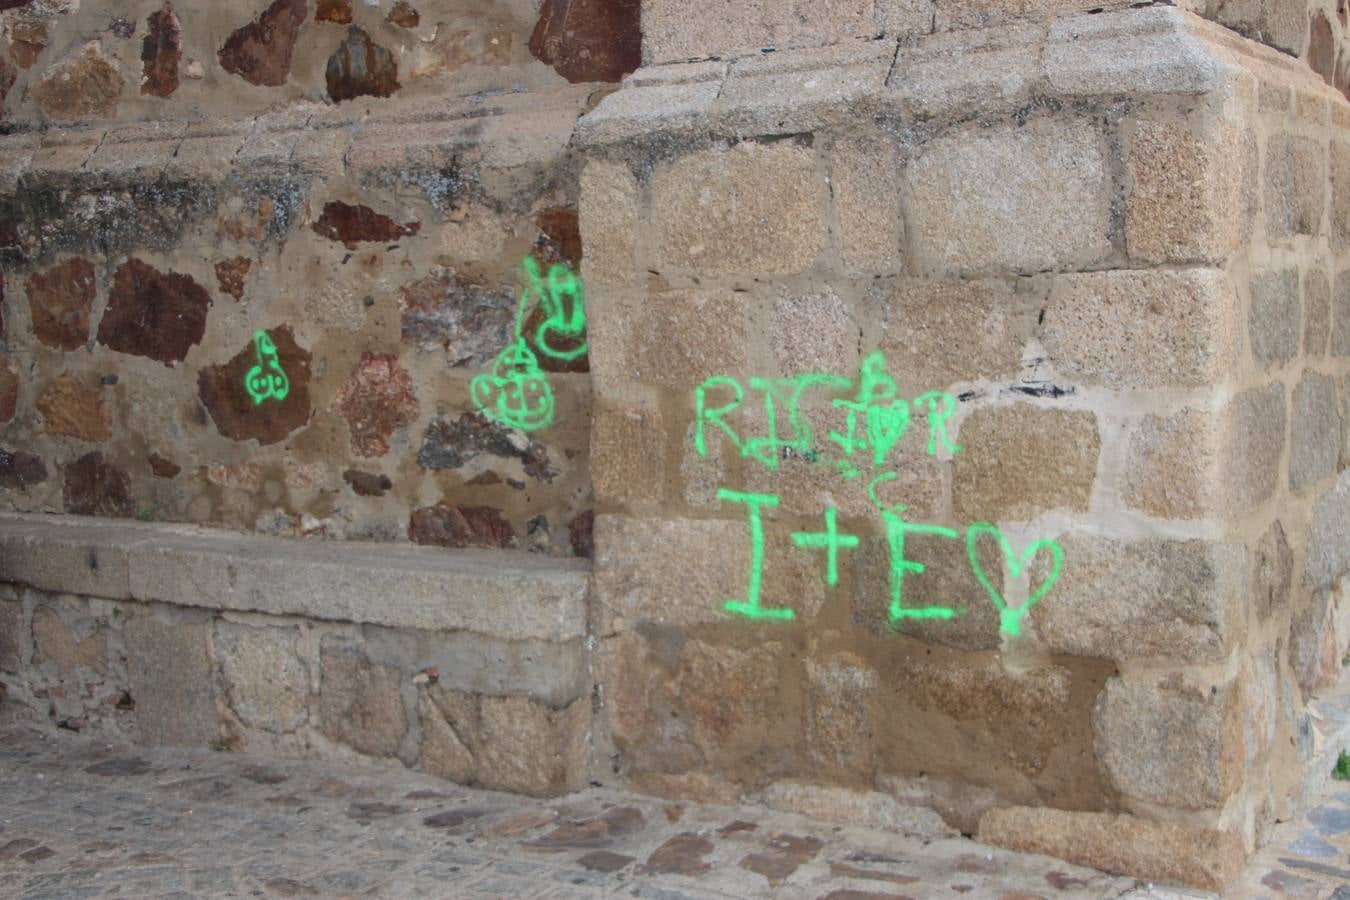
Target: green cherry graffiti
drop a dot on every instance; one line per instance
(562, 300)
(266, 379)
(515, 393)
(1010, 619)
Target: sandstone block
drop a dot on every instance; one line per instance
(1129, 51)
(1314, 652)
(360, 704)
(628, 454)
(1315, 431)
(815, 333)
(1167, 743)
(1020, 437)
(1275, 322)
(869, 809)
(730, 697)
(1295, 188)
(1020, 199)
(1339, 164)
(1249, 463)
(1179, 600)
(806, 488)
(1159, 851)
(608, 211)
(1316, 312)
(840, 693)
(1273, 571)
(1329, 536)
(57, 643)
(752, 208)
(866, 188)
(11, 623)
(266, 682)
(1282, 24)
(1143, 328)
(674, 30)
(171, 678)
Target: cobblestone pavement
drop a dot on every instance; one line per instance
(83, 818)
(1309, 857)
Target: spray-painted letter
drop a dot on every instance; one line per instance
(750, 607)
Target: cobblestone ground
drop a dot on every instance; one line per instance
(80, 818)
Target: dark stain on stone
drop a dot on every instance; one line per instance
(367, 484)
(93, 487)
(785, 854)
(848, 870)
(560, 238)
(354, 224)
(12, 849)
(449, 445)
(1064, 882)
(365, 813)
(37, 854)
(589, 40)
(122, 765)
(337, 11)
(260, 52)
(851, 894)
(13, 4)
(237, 416)
(404, 15)
(161, 51)
(1321, 55)
(733, 827)
(163, 467)
(60, 301)
(484, 479)
(8, 75)
(19, 468)
(453, 818)
(361, 68)
(230, 275)
(423, 794)
(604, 861)
(449, 525)
(581, 535)
(681, 855)
(153, 314)
(262, 775)
(591, 833)
(122, 27)
(469, 320)
(1319, 868)
(289, 887)
(9, 390)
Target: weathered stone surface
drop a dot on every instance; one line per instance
(449, 445)
(367, 484)
(1273, 571)
(839, 709)
(85, 83)
(1329, 536)
(404, 15)
(1168, 744)
(752, 208)
(28, 37)
(359, 67)
(1295, 189)
(1340, 321)
(1158, 851)
(1178, 600)
(1274, 325)
(19, 468)
(589, 40)
(266, 682)
(1250, 463)
(260, 52)
(870, 809)
(170, 673)
(8, 75)
(939, 333)
(1020, 438)
(236, 415)
(153, 314)
(1171, 466)
(162, 466)
(1339, 164)
(449, 525)
(11, 622)
(377, 399)
(231, 273)
(93, 487)
(1143, 328)
(628, 454)
(353, 225)
(866, 190)
(607, 217)
(470, 320)
(1022, 199)
(1315, 431)
(450, 50)
(60, 300)
(9, 390)
(337, 11)
(581, 534)
(1316, 312)
(1314, 654)
(161, 51)
(1321, 55)
(359, 701)
(56, 643)
(814, 333)
(720, 720)
(68, 406)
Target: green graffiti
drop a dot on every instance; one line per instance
(516, 392)
(896, 529)
(750, 607)
(1010, 620)
(829, 540)
(937, 421)
(266, 379)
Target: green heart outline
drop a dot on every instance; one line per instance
(1010, 620)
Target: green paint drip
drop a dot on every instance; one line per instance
(829, 540)
(266, 379)
(750, 607)
(1010, 620)
(896, 529)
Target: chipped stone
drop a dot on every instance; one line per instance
(96, 488)
(153, 314)
(19, 468)
(367, 484)
(361, 68)
(161, 51)
(404, 15)
(449, 445)
(163, 467)
(377, 399)
(260, 52)
(449, 525)
(336, 11)
(85, 84)
(589, 40)
(230, 275)
(60, 300)
(68, 406)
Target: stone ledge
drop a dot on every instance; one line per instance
(496, 593)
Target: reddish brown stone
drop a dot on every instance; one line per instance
(230, 275)
(60, 301)
(163, 467)
(593, 832)
(581, 534)
(1322, 48)
(19, 468)
(70, 407)
(9, 390)
(681, 855)
(353, 224)
(447, 525)
(367, 484)
(404, 15)
(27, 39)
(785, 854)
(237, 416)
(564, 343)
(8, 75)
(161, 51)
(484, 479)
(604, 861)
(471, 321)
(260, 52)
(84, 84)
(152, 314)
(560, 238)
(589, 40)
(13, 4)
(376, 400)
(339, 11)
(361, 68)
(95, 488)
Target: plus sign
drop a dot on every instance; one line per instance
(830, 540)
